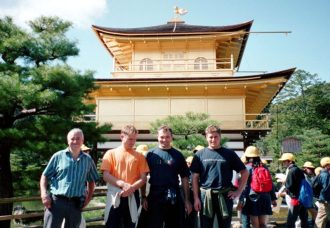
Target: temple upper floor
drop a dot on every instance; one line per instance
(175, 49)
(174, 63)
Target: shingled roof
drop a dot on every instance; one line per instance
(180, 29)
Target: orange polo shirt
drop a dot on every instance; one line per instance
(124, 165)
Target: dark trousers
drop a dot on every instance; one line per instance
(245, 220)
(207, 222)
(293, 213)
(62, 209)
(191, 220)
(162, 212)
(143, 219)
(120, 217)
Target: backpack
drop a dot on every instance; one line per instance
(306, 194)
(261, 180)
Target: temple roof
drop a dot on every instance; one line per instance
(228, 40)
(174, 29)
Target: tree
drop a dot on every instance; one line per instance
(188, 129)
(318, 97)
(185, 125)
(297, 86)
(40, 97)
(306, 111)
(315, 145)
(301, 110)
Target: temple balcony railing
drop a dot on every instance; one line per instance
(245, 122)
(257, 121)
(154, 66)
(86, 118)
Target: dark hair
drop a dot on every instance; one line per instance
(256, 161)
(165, 128)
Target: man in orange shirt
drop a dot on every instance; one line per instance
(124, 171)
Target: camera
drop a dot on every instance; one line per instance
(171, 196)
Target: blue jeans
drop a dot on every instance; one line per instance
(293, 213)
(207, 222)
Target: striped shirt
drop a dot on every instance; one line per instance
(67, 176)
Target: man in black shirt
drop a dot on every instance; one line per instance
(212, 169)
(294, 176)
(164, 203)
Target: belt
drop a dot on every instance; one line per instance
(163, 187)
(67, 198)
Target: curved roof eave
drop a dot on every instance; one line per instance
(284, 73)
(168, 29)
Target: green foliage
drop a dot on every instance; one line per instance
(301, 110)
(188, 143)
(42, 98)
(46, 43)
(188, 124)
(187, 129)
(13, 41)
(297, 86)
(315, 145)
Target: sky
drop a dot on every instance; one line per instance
(268, 49)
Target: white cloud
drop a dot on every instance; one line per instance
(81, 12)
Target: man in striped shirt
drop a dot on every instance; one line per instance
(71, 175)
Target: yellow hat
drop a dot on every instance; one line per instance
(143, 149)
(197, 148)
(287, 157)
(325, 161)
(84, 147)
(264, 161)
(243, 158)
(308, 164)
(252, 152)
(317, 170)
(189, 159)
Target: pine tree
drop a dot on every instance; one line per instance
(41, 98)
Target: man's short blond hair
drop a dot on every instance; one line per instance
(129, 130)
(212, 129)
(165, 128)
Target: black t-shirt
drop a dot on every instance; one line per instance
(216, 167)
(293, 180)
(165, 166)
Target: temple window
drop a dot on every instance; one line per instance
(200, 64)
(173, 60)
(146, 65)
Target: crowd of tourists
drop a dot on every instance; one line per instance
(158, 187)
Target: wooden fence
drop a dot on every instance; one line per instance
(99, 192)
(38, 214)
